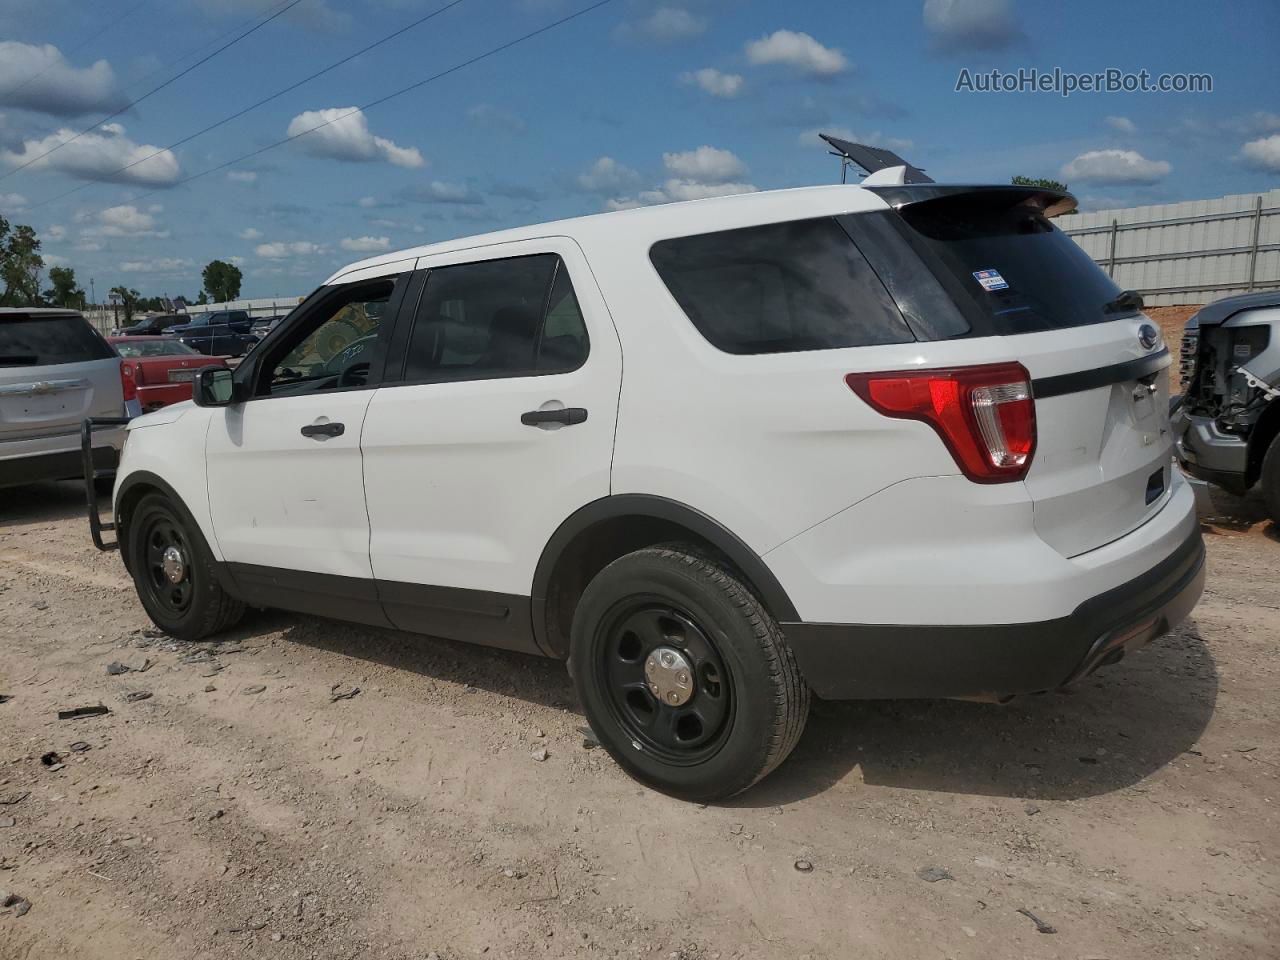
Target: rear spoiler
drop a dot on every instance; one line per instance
(1051, 203)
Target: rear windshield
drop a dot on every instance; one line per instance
(154, 348)
(779, 288)
(37, 341)
(1007, 267)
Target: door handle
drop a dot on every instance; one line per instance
(566, 415)
(323, 431)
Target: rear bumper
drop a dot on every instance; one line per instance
(63, 465)
(874, 661)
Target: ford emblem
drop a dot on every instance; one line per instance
(1148, 336)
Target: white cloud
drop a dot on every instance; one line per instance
(283, 251)
(712, 81)
(250, 233)
(606, 175)
(125, 220)
(366, 244)
(99, 156)
(440, 191)
(55, 232)
(1115, 166)
(1263, 154)
(667, 24)
(242, 176)
(874, 138)
(493, 118)
(368, 201)
(53, 260)
(799, 51)
(156, 265)
(697, 175)
(971, 25)
(346, 136)
(12, 201)
(705, 164)
(39, 78)
(1121, 125)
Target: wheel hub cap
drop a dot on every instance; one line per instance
(669, 676)
(173, 564)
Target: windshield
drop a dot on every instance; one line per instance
(39, 340)
(154, 348)
(1008, 268)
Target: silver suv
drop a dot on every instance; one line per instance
(56, 370)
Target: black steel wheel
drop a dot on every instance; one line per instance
(174, 572)
(666, 681)
(683, 675)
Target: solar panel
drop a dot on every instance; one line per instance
(872, 159)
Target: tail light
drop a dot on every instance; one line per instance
(985, 415)
(129, 381)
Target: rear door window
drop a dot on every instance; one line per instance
(497, 318)
(779, 288)
(40, 340)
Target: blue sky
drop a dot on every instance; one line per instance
(640, 101)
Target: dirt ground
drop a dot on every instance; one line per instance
(1136, 815)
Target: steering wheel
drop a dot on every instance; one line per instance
(346, 364)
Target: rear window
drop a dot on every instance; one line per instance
(33, 340)
(1007, 267)
(779, 288)
(154, 348)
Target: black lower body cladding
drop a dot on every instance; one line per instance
(872, 661)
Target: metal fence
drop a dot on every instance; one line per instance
(1191, 252)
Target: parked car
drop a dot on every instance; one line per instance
(237, 320)
(1227, 421)
(214, 339)
(161, 368)
(886, 440)
(261, 326)
(151, 326)
(55, 370)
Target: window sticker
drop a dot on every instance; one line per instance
(990, 280)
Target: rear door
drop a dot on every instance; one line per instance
(55, 370)
(501, 425)
(999, 273)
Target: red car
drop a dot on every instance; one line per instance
(162, 368)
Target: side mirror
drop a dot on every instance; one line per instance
(214, 387)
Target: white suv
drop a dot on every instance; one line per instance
(890, 441)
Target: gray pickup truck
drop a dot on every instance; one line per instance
(55, 371)
(1226, 424)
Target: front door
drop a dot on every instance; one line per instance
(501, 426)
(286, 484)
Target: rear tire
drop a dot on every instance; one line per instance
(745, 703)
(1269, 479)
(174, 574)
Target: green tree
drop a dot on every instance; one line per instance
(20, 265)
(65, 291)
(129, 301)
(222, 280)
(202, 299)
(1044, 183)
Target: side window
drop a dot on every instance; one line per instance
(336, 346)
(779, 288)
(497, 318)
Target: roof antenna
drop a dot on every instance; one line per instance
(871, 159)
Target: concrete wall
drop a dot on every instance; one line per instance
(1191, 252)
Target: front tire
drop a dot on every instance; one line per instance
(683, 675)
(173, 571)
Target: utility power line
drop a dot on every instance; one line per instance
(373, 103)
(83, 43)
(154, 90)
(254, 106)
